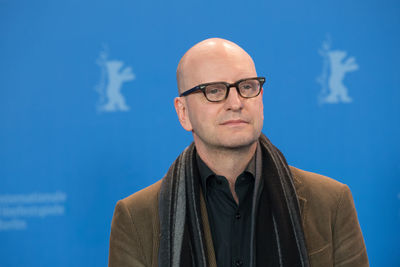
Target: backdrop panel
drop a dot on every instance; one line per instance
(86, 98)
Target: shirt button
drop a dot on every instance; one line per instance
(238, 216)
(238, 263)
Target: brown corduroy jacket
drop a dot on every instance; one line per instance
(332, 232)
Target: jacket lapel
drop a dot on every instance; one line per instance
(300, 196)
(207, 232)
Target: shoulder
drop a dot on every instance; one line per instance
(319, 198)
(317, 187)
(330, 222)
(140, 209)
(144, 195)
(314, 179)
(144, 201)
(135, 228)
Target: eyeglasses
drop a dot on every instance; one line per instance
(218, 91)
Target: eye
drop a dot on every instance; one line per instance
(247, 85)
(249, 88)
(215, 89)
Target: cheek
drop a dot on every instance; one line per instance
(202, 118)
(258, 112)
(194, 116)
(258, 108)
(198, 118)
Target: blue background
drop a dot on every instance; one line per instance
(53, 138)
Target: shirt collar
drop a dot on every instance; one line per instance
(205, 172)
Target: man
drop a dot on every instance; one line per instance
(230, 199)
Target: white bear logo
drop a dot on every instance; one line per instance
(113, 76)
(335, 67)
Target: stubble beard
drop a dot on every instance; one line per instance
(221, 145)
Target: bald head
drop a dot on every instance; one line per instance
(210, 60)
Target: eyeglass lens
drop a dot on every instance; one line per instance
(218, 91)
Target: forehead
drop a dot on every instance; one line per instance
(210, 67)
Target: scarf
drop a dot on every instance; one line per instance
(275, 226)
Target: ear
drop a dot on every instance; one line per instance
(182, 112)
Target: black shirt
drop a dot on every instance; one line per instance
(230, 223)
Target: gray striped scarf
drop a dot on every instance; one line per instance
(182, 238)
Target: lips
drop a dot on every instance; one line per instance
(234, 122)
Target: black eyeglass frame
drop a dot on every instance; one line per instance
(202, 88)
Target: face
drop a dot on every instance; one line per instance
(232, 123)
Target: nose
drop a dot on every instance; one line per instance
(234, 101)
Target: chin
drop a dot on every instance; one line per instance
(230, 141)
(238, 142)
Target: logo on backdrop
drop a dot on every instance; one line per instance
(17, 210)
(336, 65)
(114, 74)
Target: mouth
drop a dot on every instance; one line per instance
(234, 122)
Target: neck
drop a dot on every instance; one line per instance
(227, 162)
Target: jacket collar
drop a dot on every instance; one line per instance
(299, 186)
